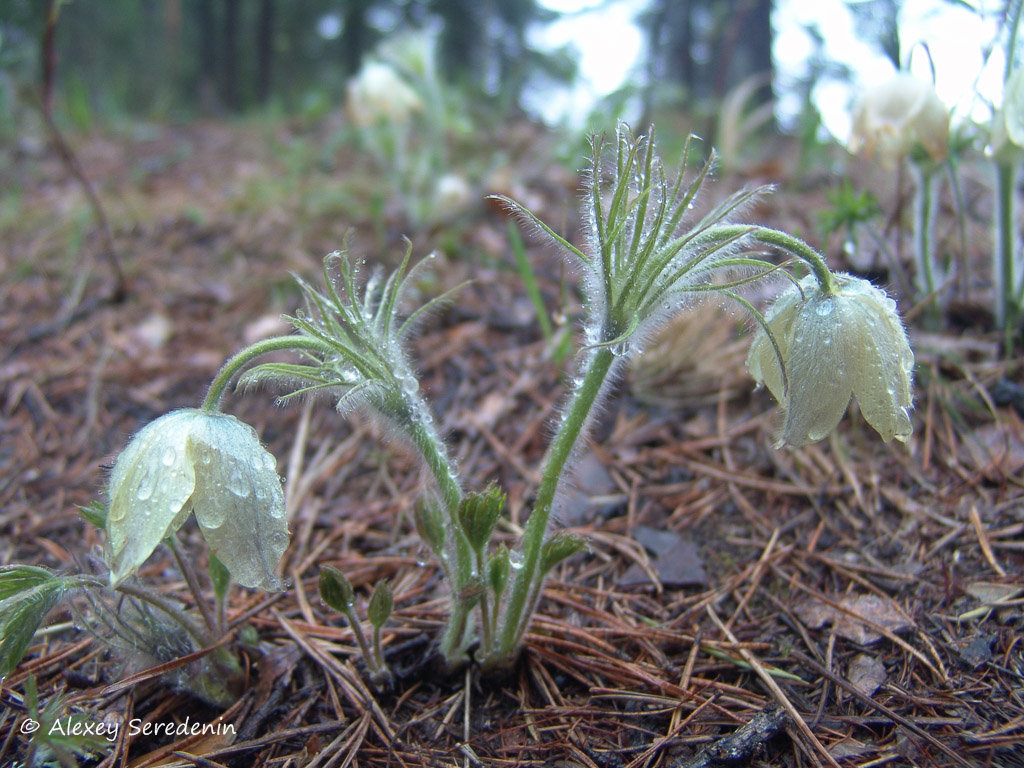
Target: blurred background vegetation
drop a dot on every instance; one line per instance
(180, 59)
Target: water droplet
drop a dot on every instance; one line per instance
(168, 457)
(269, 462)
(515, 559)
(277, 511)
(279, 540)
(146, 487)
(849, 246)
(239, 484)
(205, 454)
(410, 385)
(825, 308)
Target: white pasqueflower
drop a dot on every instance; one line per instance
(1006, 143)
(378, 94)
(209, 463)
(849, 343)
(893, 117)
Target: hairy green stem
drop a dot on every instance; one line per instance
(786, 242)
(1003, 269)
(192, 581)
(525, 586)
(924, 224)
(457, 545)
(236, 363)
(159, 602)
(364, 648)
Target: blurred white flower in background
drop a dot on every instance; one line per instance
(378, 94)
(892, 118)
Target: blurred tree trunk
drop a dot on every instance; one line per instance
(265, 50)
(709, 46)
(355, 37)
(745, 48)
(229, 70)
(207, 77)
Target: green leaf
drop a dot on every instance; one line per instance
(220, 577)
(336, 590)
(479, 513)
(95, 513)
(429, 522)
(18, 578)
(498, 569)
(559, 547)
(381, 604)
(22, 615)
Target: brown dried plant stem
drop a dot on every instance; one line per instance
(70, 161)
(67, 155)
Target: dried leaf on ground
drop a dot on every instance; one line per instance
(866, 673)
(676, 560)
(879, 611)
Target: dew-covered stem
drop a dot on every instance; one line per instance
(239, 360)
(1007, 305)
(924, 225)
(517, 612)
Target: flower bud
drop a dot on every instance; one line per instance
(894, 117)
(210, 463)
(834, 346)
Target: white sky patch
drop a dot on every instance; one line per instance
(957, 39)
(608, 45)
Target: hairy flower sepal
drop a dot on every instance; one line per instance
(205, 462)
(833, 346)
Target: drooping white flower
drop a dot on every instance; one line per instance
(1006, 143)
(849, 343)
(893, 117)
(379, 94)
(209, 463)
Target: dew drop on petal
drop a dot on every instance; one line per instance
(168, 457)
(146, 487)
(277, 511)
(239, 484)
(814, 435)
(825, 308)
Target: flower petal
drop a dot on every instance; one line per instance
(762, 361)
(820, 381)
(239, 503)
(884, 364)
(149, 489)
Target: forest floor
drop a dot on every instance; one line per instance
(850, 602)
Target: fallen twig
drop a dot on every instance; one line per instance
(741, 745)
